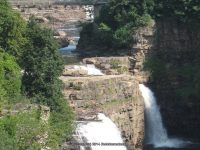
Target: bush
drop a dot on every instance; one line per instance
(10, 77)
(61, 125)
(20, 132)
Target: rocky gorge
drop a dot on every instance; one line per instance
(160, 53)
(176, 80)
(116, 95)
(164, 56)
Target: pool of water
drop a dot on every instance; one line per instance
(189, 147)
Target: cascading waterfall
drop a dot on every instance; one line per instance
(156, 133)
(90, 68)
(102, 135)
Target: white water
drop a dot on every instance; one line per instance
(91, 69)
(156, 133)
(104, 131)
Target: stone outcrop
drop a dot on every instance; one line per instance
(110, 65)
(142, 48)
(117, 96)
(99, 89)
(128, 115)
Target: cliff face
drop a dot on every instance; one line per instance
(173, 61)
(117, 96)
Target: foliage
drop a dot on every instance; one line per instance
(119, 19)
(36, 50)
(187, 11)
(12, 28)
(115, 63)
(61, 125)
(19, 132)
(42, 65)
(10, 77)
(116, 24)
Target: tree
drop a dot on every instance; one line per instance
(117, 22)
(10, 77)
(12, 28)
(42, 65)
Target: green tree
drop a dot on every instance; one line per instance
(12, 28)
(42, 65)
(10, 77)
(117, 22)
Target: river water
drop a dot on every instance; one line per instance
(69, 53)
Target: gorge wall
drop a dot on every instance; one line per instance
(173, 62)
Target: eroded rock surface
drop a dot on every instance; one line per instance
(117, 96)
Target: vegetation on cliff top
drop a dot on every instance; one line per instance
(30, 65)
(119, 19)
(114, 27)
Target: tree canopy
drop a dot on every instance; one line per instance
(12, 29)
(119, 19)
(42, 64)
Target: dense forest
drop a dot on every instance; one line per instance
(30, 65)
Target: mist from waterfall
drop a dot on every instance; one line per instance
(102, 135)
(156, 133)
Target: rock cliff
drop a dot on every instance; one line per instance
(117, 96)
(174, 64)
(166, 57)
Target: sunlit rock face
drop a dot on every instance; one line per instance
(117, 96)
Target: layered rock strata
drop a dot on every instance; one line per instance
(117, 96)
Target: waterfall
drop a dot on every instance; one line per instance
(101, 135)
(156, 133)
(90, 68)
